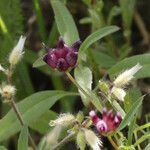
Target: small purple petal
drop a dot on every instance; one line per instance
(50, 59)
(60, 43)
(110, 114)
(61, 53)
(118, 116)
(62, 65)
(71, 58)
(102, 126)
(92, 113)
(76, 46)
(104, 112)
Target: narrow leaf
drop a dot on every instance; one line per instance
(147, 147)
(97, 35)
(23, 139)
(143, 59)
(65, 22)
(31, 108)
(83, 76)
(39, 62)
(2, 148)
(41, 125)
(131, 113)
(103, 60)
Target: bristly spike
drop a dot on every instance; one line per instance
(60, 43)
(76, 45)
(45, 46)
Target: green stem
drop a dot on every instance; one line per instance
(142, 139)
(64, 141)
(19, 116)
(91, 96)
(77, 85)
(112, 142)
(142, 127)
(138, 146)
(15, 108)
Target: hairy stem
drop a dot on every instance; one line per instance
(15, 108)
(64, 141)
(19, 116)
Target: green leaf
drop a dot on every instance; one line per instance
(127, 9)
(147, 147)
(2, 148)
(39, 62)
(97, 35)
(130, 62)
(42, 144)
(132, 94)
(83, 76)
(130, 131)
(65, 22)
(23, 139)
(40, 19)
(131, 113)
(41, 125)
(103, 60)
(31, 108)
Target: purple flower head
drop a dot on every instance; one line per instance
(62, 57)
(108, 122)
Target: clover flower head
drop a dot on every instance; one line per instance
(62, 57)
(17, 52)
(108, 122)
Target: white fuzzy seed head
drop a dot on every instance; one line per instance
(17, 52)
(92, 139)
(53, 136)
(2, 68)
(125, 77)
(63, 120)
(7, 91)
(119, 93)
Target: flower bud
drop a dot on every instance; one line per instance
(17, 52)
(81, 142)
(80, 116)
(7, 92)
(92, 139)
(103, 86)
(63, 120)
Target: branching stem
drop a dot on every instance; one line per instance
(64, 141)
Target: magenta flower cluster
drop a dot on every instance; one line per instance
(62, 57)
(109, 121)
